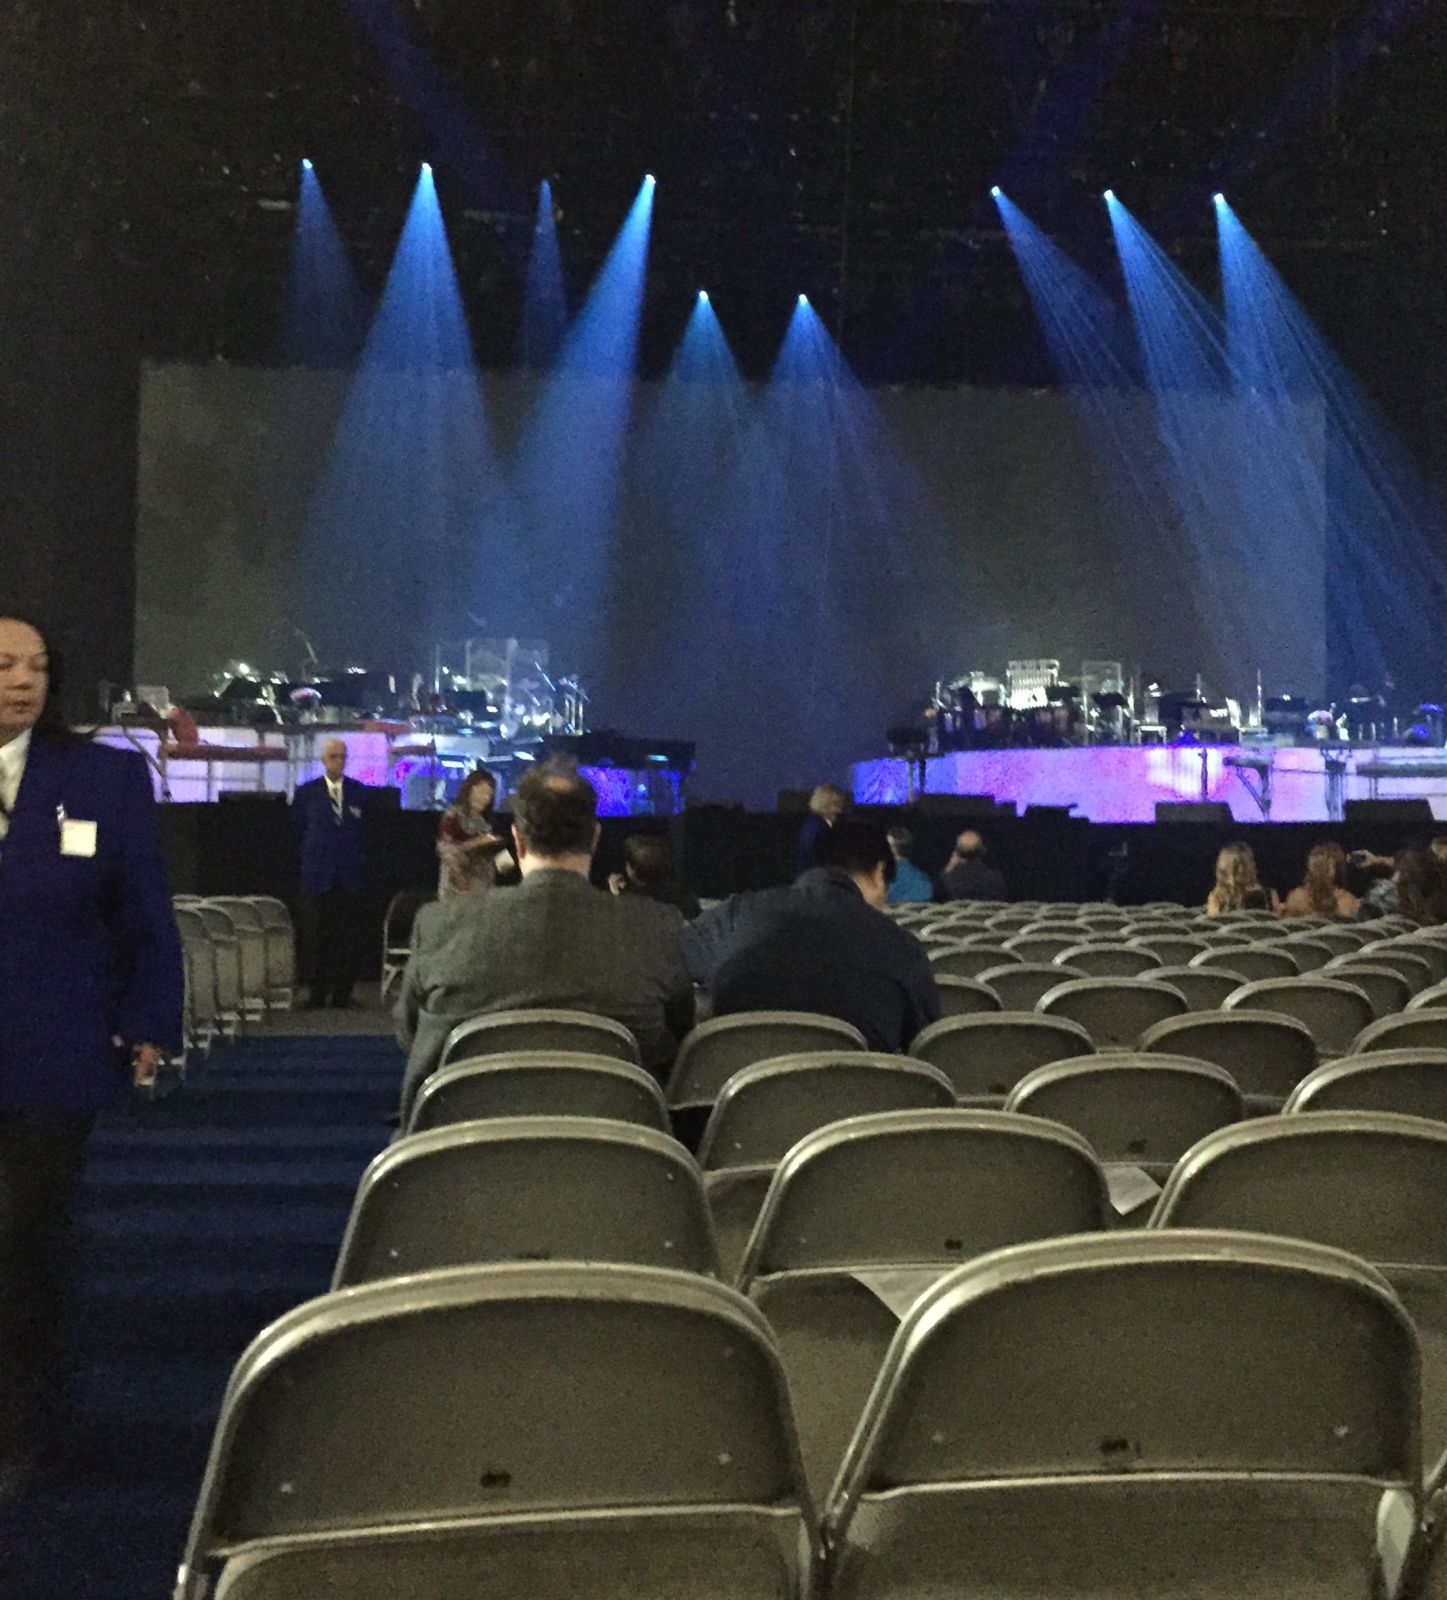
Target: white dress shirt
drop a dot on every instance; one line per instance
(12, 770)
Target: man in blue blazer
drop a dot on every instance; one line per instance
(91, 994)
(327, 814)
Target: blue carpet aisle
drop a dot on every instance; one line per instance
(204, 1217)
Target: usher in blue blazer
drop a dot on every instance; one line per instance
(88, 946)
(332, 855)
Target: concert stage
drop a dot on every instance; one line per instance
(1123, 783)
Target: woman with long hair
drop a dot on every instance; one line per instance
(90, 1001)
(1421, 882)
(1238, 885)
(1322, 892)
(468, 844)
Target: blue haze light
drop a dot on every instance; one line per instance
(703, 296)
(995, 191)
(1109, 197)
(306, 165)
(545, 306)
(392, 521)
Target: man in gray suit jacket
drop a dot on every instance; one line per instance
(554, 941)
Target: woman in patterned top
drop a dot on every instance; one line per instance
(467, 846)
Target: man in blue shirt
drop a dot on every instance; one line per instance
(822, 946)
(911, 885)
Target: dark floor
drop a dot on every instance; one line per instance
(204, 1217)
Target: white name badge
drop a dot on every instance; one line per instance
(77, 838)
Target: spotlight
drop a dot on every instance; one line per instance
(649, 179)
(995, 191)
(803, 299)
(1108, 196)
(1219, 199)
(306, 165)
(426, 169)
(703, 296)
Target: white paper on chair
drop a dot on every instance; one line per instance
(1130, 1187)
(899, 1287)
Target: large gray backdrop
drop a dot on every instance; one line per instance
(780, 591)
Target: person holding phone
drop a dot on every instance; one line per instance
(91, 993)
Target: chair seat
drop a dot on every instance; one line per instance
(739, 1554)
(1115, 1539)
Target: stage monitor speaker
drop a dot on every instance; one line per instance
(1415, 812)
(1193, 811)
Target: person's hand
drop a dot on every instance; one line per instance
(146, 1061)
(616, 880)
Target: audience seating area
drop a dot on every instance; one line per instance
(1114, 1285)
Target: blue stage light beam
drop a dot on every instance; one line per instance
(809, 533)
(688, 451)
(325, 319)
(1388, 577)
(1257, 535)
(545, 309)
(1088, 333)
(394, 515)
(569, 462)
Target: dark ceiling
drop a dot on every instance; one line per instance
(842, 149)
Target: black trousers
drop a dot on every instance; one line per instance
(40, 1161)
(331, 938)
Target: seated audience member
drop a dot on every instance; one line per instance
(1415, 887)
(1322, 892)
(1236, 878)
(827, 805)
(911, 884)
(554, 941)
(967, 874)
(821, 945)
(648, 870)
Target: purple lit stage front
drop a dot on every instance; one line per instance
(1122, 783)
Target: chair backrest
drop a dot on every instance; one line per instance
(1109, 960)
(1334, 1011)
(965, 997)
(1309, 953)
(1143, 1109)
(401, 913)
(967, 961)
(527, 1189)
(986, 1056)
(1266, 1054)
(1122, 1357)
(1427, 999)
(1251, 961)
(1384, 986)
(717, 1049)
(1020, 985)
(1370, 1182)
(1205, 988)
(763, 1111)
(1412, 965)
(912, 1188)
(1172, 948)
(1431, 950)
(571, 1397)
(504, 1032)
(1415, 1030)
(539, 1083)
(1340, 938)
(1409, 1082)
(1115, 1012)
(1042, 947)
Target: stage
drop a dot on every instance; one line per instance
(1123, 783)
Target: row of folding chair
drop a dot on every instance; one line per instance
(566, 1428)
(240, 957)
